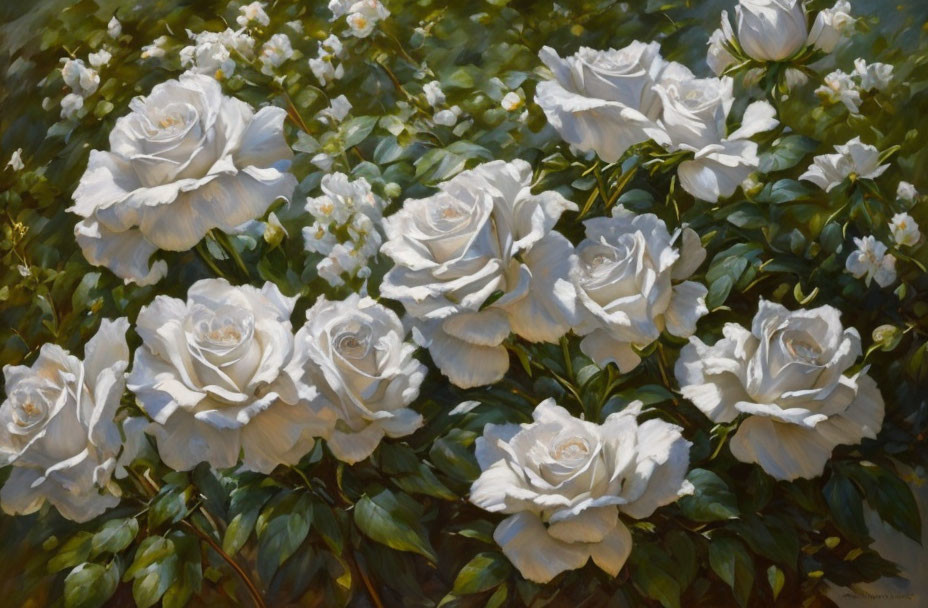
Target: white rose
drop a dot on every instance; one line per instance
(563, 482)
(771, 30)
(718, 56)
(209, 373)
(829, 25)
(604, 100)
(629, 277)
(483, 234)
(694, 116)
(57, 427)
(853, 158)
(871, 262)
(787, 377)
(351, 361)
(185, 160)
(82, 80)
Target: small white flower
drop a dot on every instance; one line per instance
(840, 87)
(337, 110)
(274, 52)
(511, 101)
(296, 25)
(253, 12)
(875, 76)
(364, 15)
(211, 53)
(82, 80)
(323, 161)
(155, 50)
(563, 482)
(70, 105)
(100, 58)
(447, 118)
(114, 28)
(905, 229)
(871, 262)
(906, 192)
(16, 160)
(340, 7)
(829, 26)
(787, 378)
(853, 158)
(433, 93)
(718, 56)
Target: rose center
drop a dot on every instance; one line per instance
(354, 344)
(227, 326)
(572, 449)
(803, 350)
(29, 407)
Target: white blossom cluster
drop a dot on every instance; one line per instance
(213, 53)
(345, 230)
(435, 97)
(362, 16)
(841, 87)
(82, 80)
(323, 65)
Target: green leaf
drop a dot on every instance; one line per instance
(152, 571)
(652, 572)
(772, 536)
(75, 551)
(356, 130)
(712, 500)
(483, 572)
(90, 585)
(776, 579)
(891, 497)
(454, 456)
(244, 507)
(115, 535)
(424, 482)
(169, 506)
(846, 505)
(385, 519)
(327, 525)
(282, 537)
(787, 152)
(151, 550)
(190, 572)
(729, 558)
(784, 191)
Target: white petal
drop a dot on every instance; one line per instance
(760, 116)
(589, 526)
(355, 447)
(127, 254)
(784, 451)
(536, 555)
(612, 553)
(687, 306)
(468, 365)
(184, 442)
(603, 349)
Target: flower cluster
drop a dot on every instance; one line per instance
(345, 230)
(362, 15)
(212, 52)
(841, 87)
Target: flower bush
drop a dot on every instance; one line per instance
(393, 303)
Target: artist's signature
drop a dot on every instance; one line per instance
(863, 595)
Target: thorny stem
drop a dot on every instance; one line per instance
(252, 589)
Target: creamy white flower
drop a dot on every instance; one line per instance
(185, 160)
(629, 276)
(340, 7)
(770, 30)
(718, 55)
(433, 93)
(875, 76)
(787, 375)
(853, 158)
(364, 15)
(82, 80)
(274, 53)
(156, 49)
(337, 110)
(564, 481)
(448, 117)
(211, 52)
(905, 229)
(906, 192)
(114, 28)
(71, 105)
(16, 160)
(840, 87)
(352, 363)
(694, 114)
(324, 70)
(296, 25)
(210, 375)
(511, 101)
(58, 427)
(100, 58)
(253, 12)
(871, 262)
(604, 100)
(483, 234)
(829, 26)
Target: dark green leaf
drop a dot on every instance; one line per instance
(90, 585)
(115, 535)
(712, 500)
(729, 558)
(385, 519)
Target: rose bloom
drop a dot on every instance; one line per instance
(604, 100)
(58, 428)
(210, 375)
(771, 30)
(185, 160)
(787, 377)
(853, 158)
(483, 235)
(563, 482)
(354, 366)
(629, 275)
